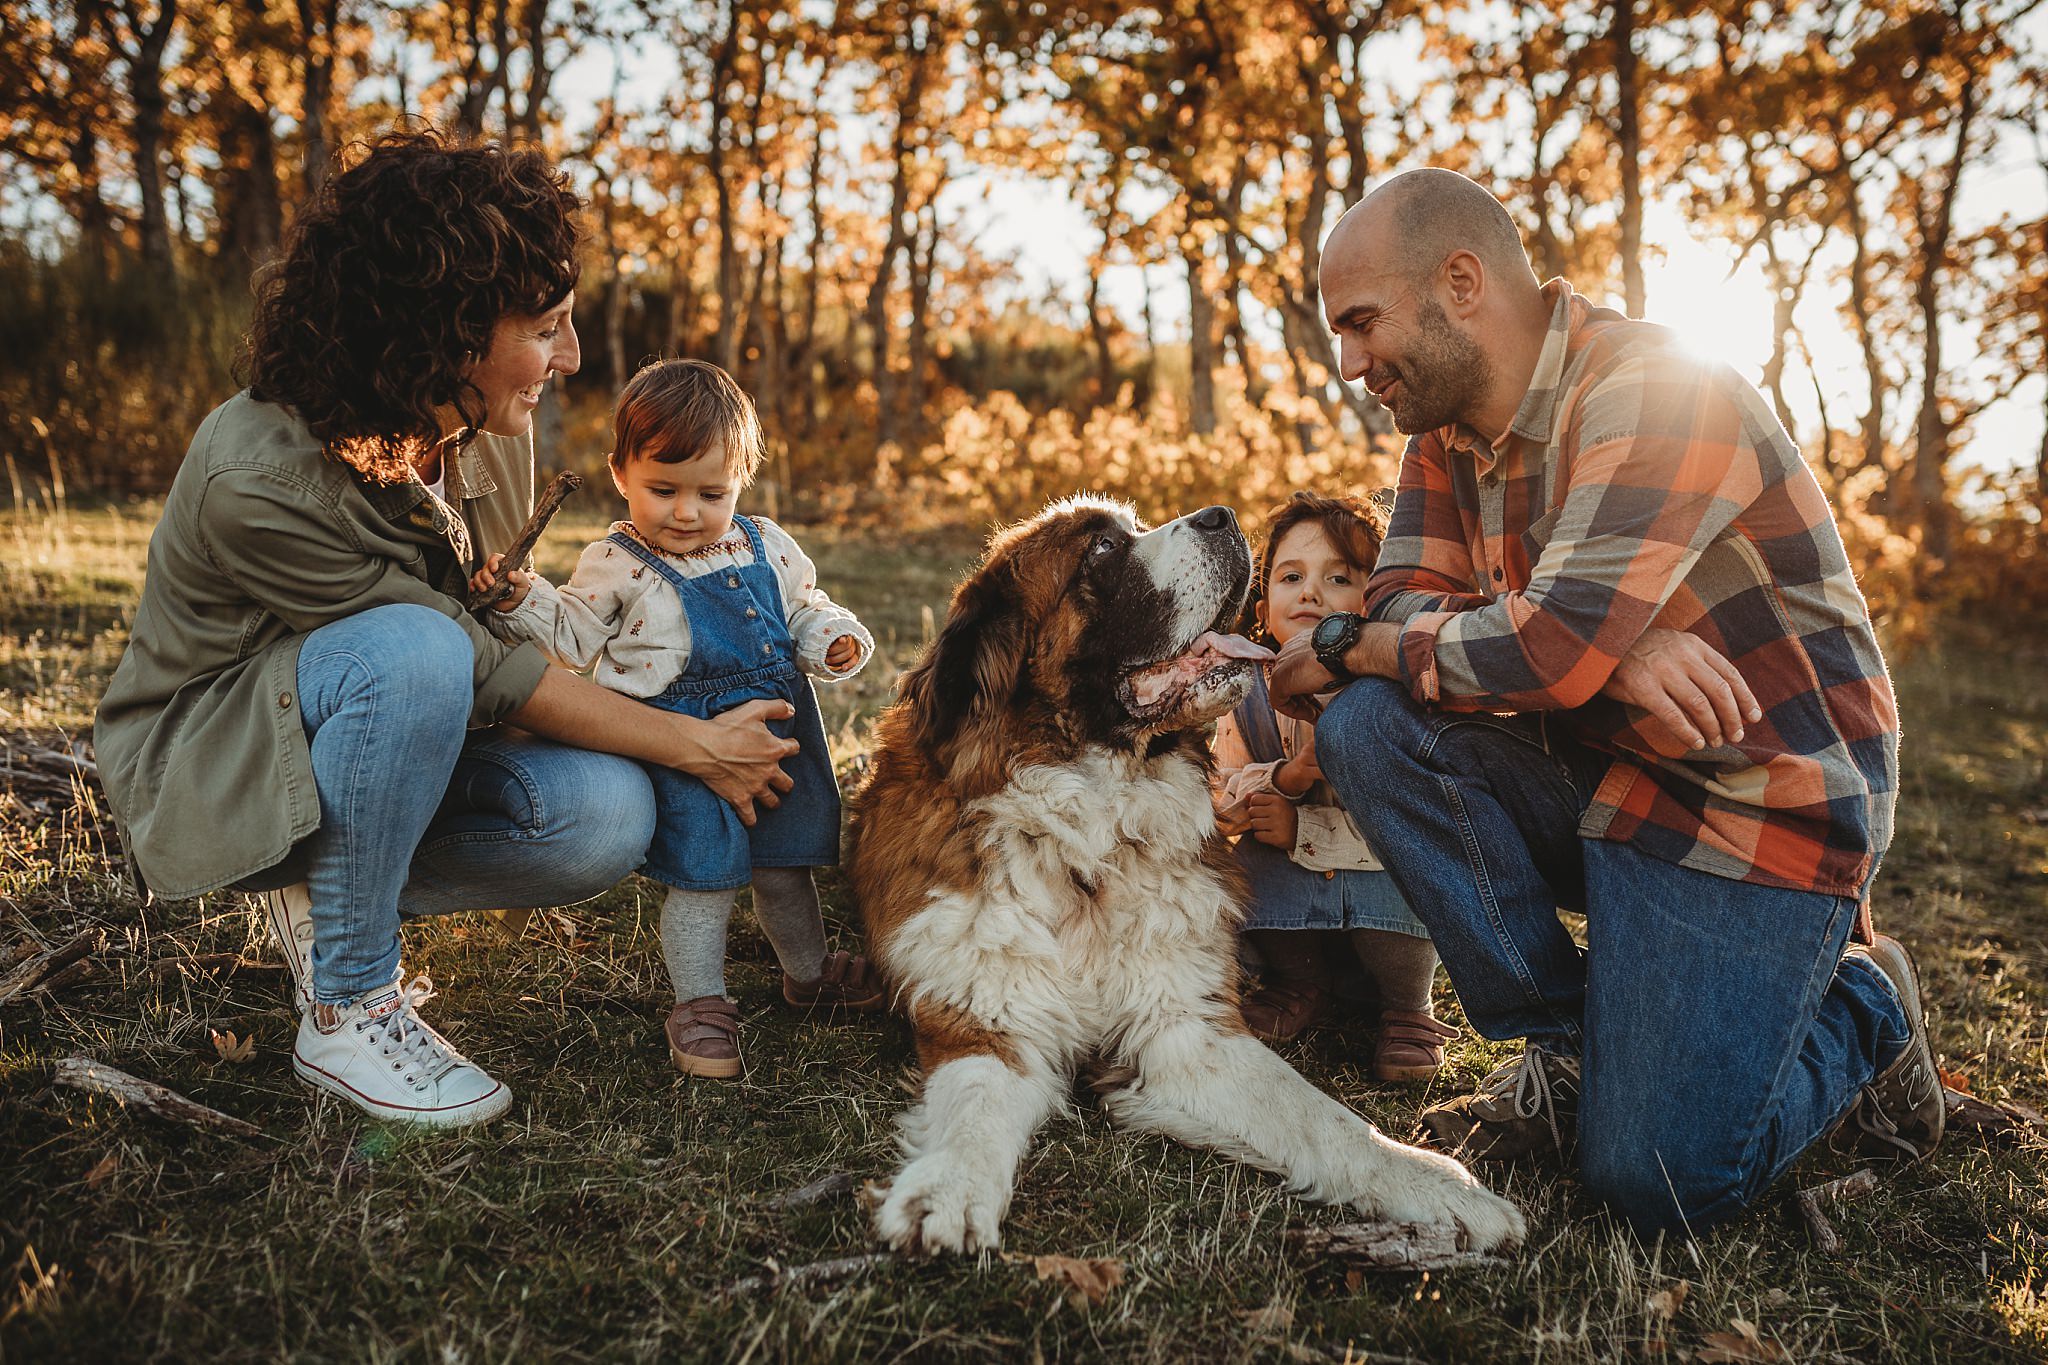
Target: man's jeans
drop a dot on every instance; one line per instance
(420, 817)
(1719, 1027)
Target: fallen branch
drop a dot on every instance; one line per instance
(83, 1073)
(803, 1276)
(42, 972)
(2006, 1122)
(819, 1190)
(1825, 1239)
(1388, 1246)
(215, 964)
(544, 510)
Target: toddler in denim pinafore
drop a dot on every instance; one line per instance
(695, 610)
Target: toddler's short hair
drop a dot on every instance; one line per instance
(673, 411)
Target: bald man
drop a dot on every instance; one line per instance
(1613, 659)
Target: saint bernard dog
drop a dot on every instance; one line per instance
(1042, 881)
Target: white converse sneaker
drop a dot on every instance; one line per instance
(290, 912)
(381, 1057)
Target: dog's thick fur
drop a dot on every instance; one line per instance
(1038, 866)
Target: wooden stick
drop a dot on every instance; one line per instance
(33, 973)
(1388, 1246)
(823, 1188)
(83, 1073)
(800, 1276)
(529, 536)
(1825, 1239)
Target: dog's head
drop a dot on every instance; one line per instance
(1085, 625)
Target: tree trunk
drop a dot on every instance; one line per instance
(1201, 344)
(317, 20)
(529, 124)
(1931, 428)
(146, 89)
(1861, 309)
(907, 114)
(1629, 140)
(923, 247)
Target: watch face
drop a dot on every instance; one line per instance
(1329, 631)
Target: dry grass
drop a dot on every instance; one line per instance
(600, 1219)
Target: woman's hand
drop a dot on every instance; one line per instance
(1686, 686)
(739, 757)
(843, 654)
(486, 578)
(1273, 819)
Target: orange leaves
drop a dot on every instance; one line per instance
(1087, 1282)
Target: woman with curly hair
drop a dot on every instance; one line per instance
(305, 708)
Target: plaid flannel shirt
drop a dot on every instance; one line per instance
(1642, 486)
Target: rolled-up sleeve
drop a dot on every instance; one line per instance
(311, 571)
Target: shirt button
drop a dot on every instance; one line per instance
(1498, 575)
(284, 701)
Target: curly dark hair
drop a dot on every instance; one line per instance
(1356, 528)
(391, 282)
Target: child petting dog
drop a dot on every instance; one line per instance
(692, 608)
(1310, 870)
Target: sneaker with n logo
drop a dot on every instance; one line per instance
(1901, 1114)
(1527, 1108)
(380, 1056)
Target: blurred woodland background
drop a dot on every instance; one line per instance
(968, 256)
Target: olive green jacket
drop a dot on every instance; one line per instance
(263, 539)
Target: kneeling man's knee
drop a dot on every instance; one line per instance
(1657, 1187)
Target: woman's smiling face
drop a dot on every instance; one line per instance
(525, 351)
(1309, 580)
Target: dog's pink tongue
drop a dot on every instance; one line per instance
(1231, 647)
(1152, 684)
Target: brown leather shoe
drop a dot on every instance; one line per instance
(1410, 1046)
(848, 981)
(1283, 1009)
(704, 1037)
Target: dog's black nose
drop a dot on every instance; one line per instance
(1214, 519)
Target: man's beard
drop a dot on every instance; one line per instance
(1444, 376)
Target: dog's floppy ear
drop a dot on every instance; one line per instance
(977, 663)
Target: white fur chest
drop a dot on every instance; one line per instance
(1094, 909)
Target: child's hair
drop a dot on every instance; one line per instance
(673, 411)
(1356, 526)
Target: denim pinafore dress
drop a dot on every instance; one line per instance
(740, 651)
(1286, 895)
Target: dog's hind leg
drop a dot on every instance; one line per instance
(963, 1142)
(1199, 1083)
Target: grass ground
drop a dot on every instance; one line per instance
(603, 1217)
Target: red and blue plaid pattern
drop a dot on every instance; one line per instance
(1641, 485)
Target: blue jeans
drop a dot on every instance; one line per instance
(1719, 1028)
(419, 816)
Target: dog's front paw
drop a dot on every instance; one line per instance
(942, 1203)
(1432, 1188)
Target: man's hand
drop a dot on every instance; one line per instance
(1686, 686)
(1296, 677)
(740, 758)
(484, 579)
(1273, 819)
(843, 654)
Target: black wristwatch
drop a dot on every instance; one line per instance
(1332, 640)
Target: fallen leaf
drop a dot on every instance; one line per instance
(1955, 1080)
(102, 1169)
(1274, 1317)
(1663, 1305)
(1088, 1281)
(1743, 1346)
(231, 1048)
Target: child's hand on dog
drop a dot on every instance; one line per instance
(843, 654)
(487, 577)
(1273, 819)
